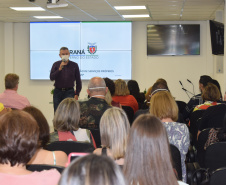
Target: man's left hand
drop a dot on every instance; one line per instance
(76, 97)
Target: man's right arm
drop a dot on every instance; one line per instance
(54, 71)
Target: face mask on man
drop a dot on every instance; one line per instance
(65, 58)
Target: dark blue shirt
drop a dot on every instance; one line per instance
(67, 76)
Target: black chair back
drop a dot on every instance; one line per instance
(215, 156)
(41, 167)
(96, 136)
(218, 177)
(129, 112)
(213, 117)
(70, 146)
(181, 106)
(194, 124)
(176, 159)
(203, 136)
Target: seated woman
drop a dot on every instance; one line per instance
(147, 159)
(66, 120)
(159, 84)
(122, 95)
(92, 170)
(44, 156)
(211, 95)
(114, 128)
(165, 108)
(18, 142)
(108, 99)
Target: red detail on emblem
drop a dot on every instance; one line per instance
(92, 49)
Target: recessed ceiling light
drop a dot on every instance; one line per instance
(129, 7)
(48, 17)
(135, 16)
(27, 8)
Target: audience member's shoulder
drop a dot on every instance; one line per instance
(183, 127)
(178, 126)
(97, 151)
(51, 171)
(60, 153)
(48, 177)
(198, 96)
(82, 100)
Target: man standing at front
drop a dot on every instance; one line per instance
(65, 73)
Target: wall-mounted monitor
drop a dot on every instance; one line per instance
(176, 39)
(217, 37)
(100, 48)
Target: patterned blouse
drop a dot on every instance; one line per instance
(205, 105)
(178, 135)
(212, 137)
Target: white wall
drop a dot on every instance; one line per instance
(145, 69)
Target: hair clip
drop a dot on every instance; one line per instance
(157, 90)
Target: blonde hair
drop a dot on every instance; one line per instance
(148, 95)
(163, 106)
(114, 128)
(121, 89)
(67, 115)
(108, 97)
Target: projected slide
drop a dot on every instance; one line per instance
(99, 48)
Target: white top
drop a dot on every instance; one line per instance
(182, 183)
(81, 135)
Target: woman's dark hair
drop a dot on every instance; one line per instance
(44, 135)
(215, 82)
(19, 134)
(134, 89)
(158, 86)
(111, 85)
(204, 79)
(92, 170)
